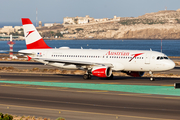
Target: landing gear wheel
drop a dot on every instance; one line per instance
(111, 77)
(85, 76)
(89, 76)
(151, 79)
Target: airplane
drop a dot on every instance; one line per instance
(97, 62)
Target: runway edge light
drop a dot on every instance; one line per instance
(176, 85)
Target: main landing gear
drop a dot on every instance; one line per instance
(110, 78)
(87, 75)
(151, 78)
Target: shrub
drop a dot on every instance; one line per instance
(5, 117)
(60, 118)
(78, 29)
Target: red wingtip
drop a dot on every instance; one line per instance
(26, 21)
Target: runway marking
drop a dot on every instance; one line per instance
(172, 97)
(168, 85)
(138, 94)
(93, 91)
(58, 110)
(51, 88)
(109, 83)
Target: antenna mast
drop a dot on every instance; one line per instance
(36, 17)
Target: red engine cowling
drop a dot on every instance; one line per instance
(135, 74)
(102, 71)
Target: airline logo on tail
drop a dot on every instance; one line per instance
(28, 33)
(32, 36)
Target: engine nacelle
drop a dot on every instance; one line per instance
(102, 71)
(135, 74)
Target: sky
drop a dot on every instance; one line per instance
(56, 10)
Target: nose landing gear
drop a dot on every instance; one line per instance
(151, 78)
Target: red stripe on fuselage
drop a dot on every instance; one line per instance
(39, 44)
(26, 21)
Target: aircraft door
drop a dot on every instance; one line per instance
(147, 58)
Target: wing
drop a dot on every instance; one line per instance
(74, 62)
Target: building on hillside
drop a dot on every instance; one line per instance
(7, 29)
(40, 24)
(116, 18)
(48, 24)
(68, 20)
(17, 28)
(101, 20)
(77, 20)
(51, 24)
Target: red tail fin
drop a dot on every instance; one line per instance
(32, 37)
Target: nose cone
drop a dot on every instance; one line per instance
(170, 65)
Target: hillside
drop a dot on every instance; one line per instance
(159, 25)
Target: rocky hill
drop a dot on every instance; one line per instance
(159, 25)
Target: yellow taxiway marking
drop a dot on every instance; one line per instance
(93, 91)
(51, 81)
(52, 88)
(168, 85)
(109, 83)
(136, 94)
(82, 112)
(6, 85)
(172, 97)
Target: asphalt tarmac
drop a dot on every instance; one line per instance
(84, 104)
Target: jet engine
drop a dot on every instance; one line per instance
(102, 71)
(135, 74)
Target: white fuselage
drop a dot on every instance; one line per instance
(119, 60)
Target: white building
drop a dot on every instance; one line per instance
(48, 24)
(16, 28)
(7, 29)
(77, 20)
(116, 18)
(68, 20)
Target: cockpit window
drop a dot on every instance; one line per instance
(162, 57)
(166, 58)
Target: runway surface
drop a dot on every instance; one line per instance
(31, 65)
(85, 104)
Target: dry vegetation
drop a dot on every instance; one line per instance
(15, 117)
(72, 72)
